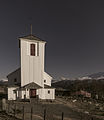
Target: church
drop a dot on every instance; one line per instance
(30, 80)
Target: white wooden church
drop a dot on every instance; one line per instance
(30, 80)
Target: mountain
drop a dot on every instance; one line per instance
(62, 84)
(66, 82)
(92, 86)
(3, 82)
(97, 75)
(93, 83)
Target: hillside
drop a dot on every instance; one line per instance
(93, 86)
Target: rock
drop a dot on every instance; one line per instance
(74, 100)
(90, 102)
(101, 108)
(97, 104)
(86, 112)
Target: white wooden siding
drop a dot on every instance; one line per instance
(32, 67)
(47, 78)
(43, 94)
(11, 94)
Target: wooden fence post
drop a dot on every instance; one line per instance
(8, 108)
(14, 110)
(31, 112)
(81, 117)
(23, 114)
(91, 118)
(3, 104)
(44, 114)
(62, 116)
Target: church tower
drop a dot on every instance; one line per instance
(32, 51)
(35, 82)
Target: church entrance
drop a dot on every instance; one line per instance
(32, 93)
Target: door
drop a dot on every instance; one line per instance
(32, 93)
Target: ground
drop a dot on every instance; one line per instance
(88, 106)
(72, 110)
(4, 116)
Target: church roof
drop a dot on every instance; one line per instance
(17, 70)
(47, 86)
(32, 85)
(32, 37)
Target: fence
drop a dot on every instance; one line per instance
(27, 111)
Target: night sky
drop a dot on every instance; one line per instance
(73, 30)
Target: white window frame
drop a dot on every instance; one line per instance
(28, 48)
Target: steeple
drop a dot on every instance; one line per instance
(31, 37)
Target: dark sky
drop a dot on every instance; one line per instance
(73, 29)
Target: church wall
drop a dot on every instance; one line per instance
(27, 94)
(32, 67)
(43, 93)
(14, 78)
(11, 93)
(47, 79)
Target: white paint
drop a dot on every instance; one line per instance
(27, 94)
(11, 94)
(23, 94)
(28, 48)
(19, 94)
(32, 67)
(32, 70)
(47, 78)
(43, 94)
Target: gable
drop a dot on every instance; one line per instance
(14, 78)
(31, 38)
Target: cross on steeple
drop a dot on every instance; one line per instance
(31, 28)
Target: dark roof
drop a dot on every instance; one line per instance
(17, 70)
(47, 86)
(32, 85)
(12, 86)
(20, 88)
(32, 37)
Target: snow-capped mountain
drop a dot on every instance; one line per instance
(95, 76)
(3, 80)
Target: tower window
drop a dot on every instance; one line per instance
(44, 81)
(32, 49)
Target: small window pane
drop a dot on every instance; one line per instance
(15, 80)
(32, 49)
(48, 91)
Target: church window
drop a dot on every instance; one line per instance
(32, 49)
(44, 81)
(48, 91)
(15, 80)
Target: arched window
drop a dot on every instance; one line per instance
(32, 49)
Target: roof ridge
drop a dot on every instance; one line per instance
(31, 37)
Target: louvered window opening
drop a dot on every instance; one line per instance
(32, 49)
